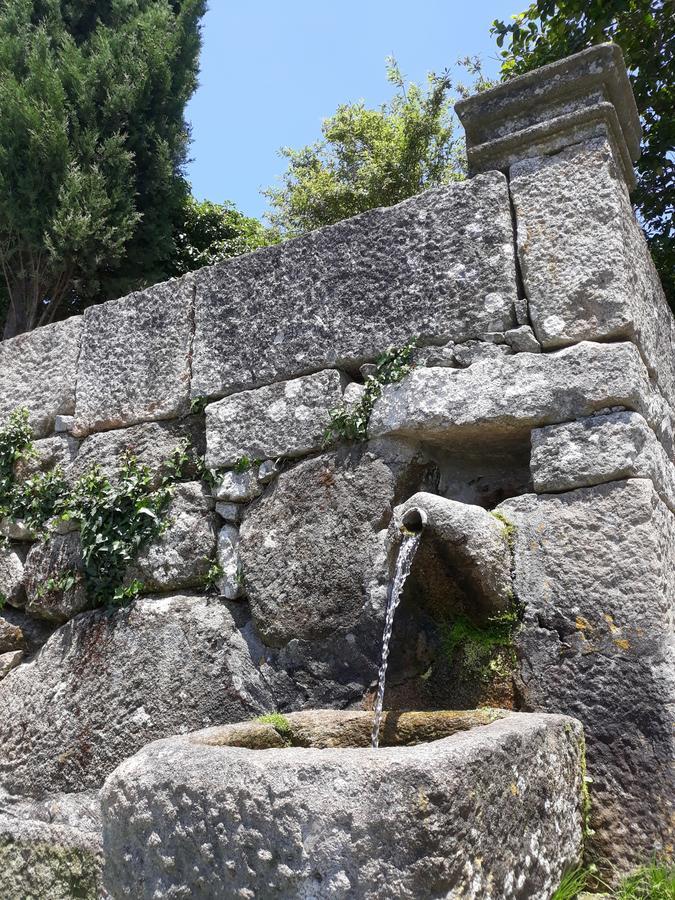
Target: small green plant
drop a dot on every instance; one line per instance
(198, 404)
(16, 442)
(244, 464)
(509, 527)
(63, 582)
(572, 884)
(350, 423)
(116, 520)
(213, 576)
(280, 724)
(487, 650)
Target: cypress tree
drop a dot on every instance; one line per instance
(92, 146)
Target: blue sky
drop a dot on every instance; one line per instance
(271, 71)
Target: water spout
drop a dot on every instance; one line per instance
(412, 525)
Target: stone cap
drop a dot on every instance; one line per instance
(543, 111)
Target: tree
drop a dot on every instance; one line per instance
(92, 145)
(645, 30)
(372, 157)
(211, 232)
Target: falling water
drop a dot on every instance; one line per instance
(406, 553)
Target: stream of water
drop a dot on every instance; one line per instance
(406, 554)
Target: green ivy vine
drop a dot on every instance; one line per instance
(350, 422)
(116, 518)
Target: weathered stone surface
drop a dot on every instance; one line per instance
(9, 661)
(456, 817)
(11, 636)
(38, 370)
(439, 265)
(478, 351)
(182, 555)
(600, 449)
(11, 574)
(500, 398)
(288, 418)
(152, 443)
(63, 424)
(229, 512)
(474, 542)
(586, 267)
(522, 340)
(307, 547)
(547, 109)
(16, 530)
(106, 684)
(239, 487)
(51, 851)
(231, 584)
(35, 632)
(54, 578)
(135, 361)
(59, 450)
(594, 570)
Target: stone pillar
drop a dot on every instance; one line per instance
(595, 542)
(566, 136)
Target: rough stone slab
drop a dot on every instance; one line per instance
(51, 851)
(38, 370)
(11, 574)
(107, 683)
(549, 108)
(586, 267)
(239, 487)
(231, 584)
(600, 449)
(35, 632)
(54, 578)
(439, 265)
(504, 397)
(462, 816)
(182, 555)
(9, 661)
(49, 453)
(135, 361)
(307, 547)
(594, 569)
(285, 419)
(152, 443)
(11, 636)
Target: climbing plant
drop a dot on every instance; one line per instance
(350, 422)
(116, 517)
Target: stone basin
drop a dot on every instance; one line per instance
(474, 804)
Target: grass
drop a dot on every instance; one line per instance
(280, 724)
(655, 881)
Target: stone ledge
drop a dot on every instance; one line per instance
(597, 450)
(503, 399)
(552, 107)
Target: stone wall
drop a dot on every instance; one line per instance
(541, 389)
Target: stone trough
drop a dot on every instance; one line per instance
(476, 804)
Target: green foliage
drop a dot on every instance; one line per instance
(487, 650)
(116, 520)
(92, 145)
(549, 30)
(350, 423)
(210, 232)
(652, 882)
(213, 576)
(244, 463)
(572, 884)
(15, 442)
(280, 724)
(508, 527)
(198, 405)
(371, 157)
